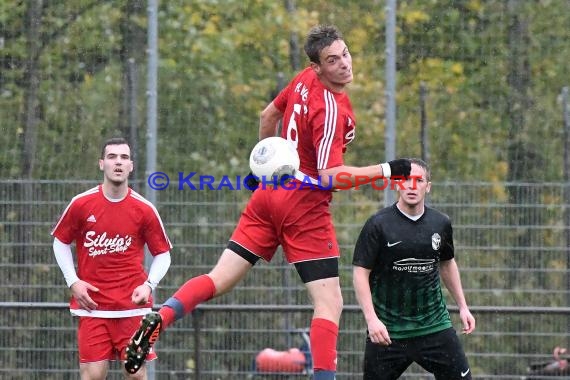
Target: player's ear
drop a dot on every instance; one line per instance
(428, 187)
(100, 164)
(316, 67)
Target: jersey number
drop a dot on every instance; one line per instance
(292, 131)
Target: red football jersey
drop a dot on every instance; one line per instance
(320, 125)
(110, 238)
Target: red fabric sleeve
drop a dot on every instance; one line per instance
(155, 234)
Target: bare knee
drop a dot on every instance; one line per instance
(94, 370)
(327, 299)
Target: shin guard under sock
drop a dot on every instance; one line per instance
(323, 335)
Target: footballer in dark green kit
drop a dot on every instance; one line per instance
(402, 255)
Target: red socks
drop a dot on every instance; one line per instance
(323, 334)
(323, 337)
(195, 291)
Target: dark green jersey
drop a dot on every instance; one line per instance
(403, 256)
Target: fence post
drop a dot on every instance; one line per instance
(152, 119)
(390, 133)
(566, 126)
(423, 123)
(196, 319)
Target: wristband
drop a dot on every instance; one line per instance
(386, 171)
(150, 285)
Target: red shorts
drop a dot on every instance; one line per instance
(106, 338)
(298, 220)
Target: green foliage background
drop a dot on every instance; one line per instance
(219, 65)
(493, 70)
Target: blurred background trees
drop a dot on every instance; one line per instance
(73, 73)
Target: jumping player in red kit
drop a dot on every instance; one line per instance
(110, 225)
(318, 119)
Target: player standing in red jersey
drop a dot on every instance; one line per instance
(318, 119)
(110, 225)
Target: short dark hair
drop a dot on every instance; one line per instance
(320, 37)
(421, 163)
(113, 141)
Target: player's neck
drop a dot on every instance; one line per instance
(114, 191)
(334, 87)
(411, 210)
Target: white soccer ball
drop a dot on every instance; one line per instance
(273, 157)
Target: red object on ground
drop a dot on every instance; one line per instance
(270, 360)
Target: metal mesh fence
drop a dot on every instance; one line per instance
(508, 270)
(41, 345)
(479, 96)
(74, 73)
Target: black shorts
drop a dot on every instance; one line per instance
(440, 353)
(308, 270)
